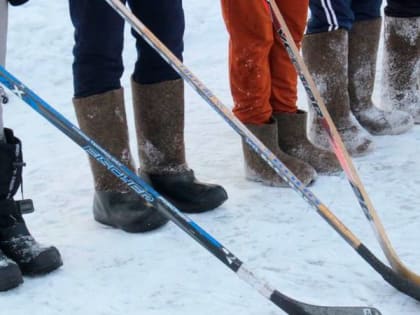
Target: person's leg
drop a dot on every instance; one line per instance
(158, 100)
(363, 50)
(1, 124)
(283, 74)
(16, 242)
(100, 110)
(291, 122)
(3, 46)
(328, 33)
(251, 42)
(403, 8)
(10, 275)
(3, 31)
(401, 57)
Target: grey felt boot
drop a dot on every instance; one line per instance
(159, 117)
(326, 56)
(401, 65)
(363, 50)
(256, 169)
(293, 141)
(102, 117)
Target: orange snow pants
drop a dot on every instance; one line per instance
(263, 79)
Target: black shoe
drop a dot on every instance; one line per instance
(188, 194)
(19, 245)
(10, 275)
(126, 211)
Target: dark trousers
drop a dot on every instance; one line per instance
(330, 15)
(99, 35)
(403, 8)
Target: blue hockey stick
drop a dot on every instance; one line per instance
(287, 304)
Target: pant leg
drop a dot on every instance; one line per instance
(366, 9)
(251, 39)
(165, 18)
(283, 73)
(99, 33)
(3, 31)
(403, 8)
(330, 15)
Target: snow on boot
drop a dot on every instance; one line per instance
(363, 50)
(401, 65)
(293, 141)
(10, 275)
(102, 117)
(15, 240)
(257, 170)
(329, 70)
(159, 117)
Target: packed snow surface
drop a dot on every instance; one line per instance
(274, 231)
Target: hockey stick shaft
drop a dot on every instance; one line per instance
(289, 305)
(403, 285)
(337, 144)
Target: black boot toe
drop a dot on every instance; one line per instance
(126, 211)
(188, 194)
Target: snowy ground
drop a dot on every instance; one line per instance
(109, 272)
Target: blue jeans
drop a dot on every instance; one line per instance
(99, 36)
(403, 8)
(330, 15)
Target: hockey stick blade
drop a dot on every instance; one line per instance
(308, 309)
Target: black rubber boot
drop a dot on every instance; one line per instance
(188, 194)
(159, 116)
(10, 275)
(121, 210)
(16, 242)
(103, 118)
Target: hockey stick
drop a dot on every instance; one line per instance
(339, 148)
(404, 285)
(289, 305)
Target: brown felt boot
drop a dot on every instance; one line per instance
(102, 117)
(257, 170)
(293, 141)
(401, 65)
(159, 116)
(326, 56)
(363, 50)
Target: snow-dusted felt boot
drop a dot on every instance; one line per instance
(363, 50)
(256, 169)
(401, 65)
(10, 275)
(293, 140)
(15, 240)
(102, 117)
(326, 56)
(159, 117)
